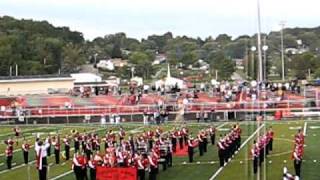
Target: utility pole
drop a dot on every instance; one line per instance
(282, 24)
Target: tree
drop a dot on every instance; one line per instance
(116, 51)
(73, 58)
(301, 64)
(223, 65)
(142, 64)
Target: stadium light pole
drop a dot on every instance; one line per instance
(265, 48)
(260, 76)
(16, 69)
(253, 50)
(282, 23)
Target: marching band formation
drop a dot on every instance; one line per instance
(296, 156)
(229, 144)
(145, 151)
(261, 148)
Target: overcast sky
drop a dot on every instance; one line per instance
(140, 18)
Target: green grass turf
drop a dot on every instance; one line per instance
(235, 170)
(272, 168)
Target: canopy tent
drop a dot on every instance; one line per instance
(85, 78)
(170, 82)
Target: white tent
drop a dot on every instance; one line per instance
(170, 82)
(85, 78)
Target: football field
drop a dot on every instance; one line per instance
(203, 168)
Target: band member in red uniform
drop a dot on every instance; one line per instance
(92, 166)
(205, 140)
(79, 166)
(25, 150)
(255, 156)
(122, 134)
(158, 132)
(9, 155)
(200, 144)
(180, 138)
(270, 135)
(141, 164)
(17, 132)
(49, 148)
(212, 132)
(56, 144)
(41, 155)
(174, 140)
(191, 145)
(185, 133)
(150, 135)
(153, 161)
(221, 151)
(76, 142)
(67, 147)
(297, 156)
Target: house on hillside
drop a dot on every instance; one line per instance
(160, 58)
(111, 64)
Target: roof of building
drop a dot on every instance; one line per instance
(29, 78)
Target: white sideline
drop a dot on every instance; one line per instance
(242, 145)
(69, 172)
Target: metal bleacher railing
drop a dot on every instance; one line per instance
(293, 106)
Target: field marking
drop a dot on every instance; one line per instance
(314, 127)
(242, 145)
(61, 175)
(305, 128)
(295, 128)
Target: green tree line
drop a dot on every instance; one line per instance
(38, 47)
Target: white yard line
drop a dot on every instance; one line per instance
(221, 125)
(242, 145)
(62, 175)
(305, 128)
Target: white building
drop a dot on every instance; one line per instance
(170, 82)
(106, 65)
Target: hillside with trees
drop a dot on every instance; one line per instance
(37, 47)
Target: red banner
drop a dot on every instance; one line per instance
(104, 173)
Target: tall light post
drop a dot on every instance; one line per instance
(253, 50)
(282, 23)
(95, 58)
(260, 73)
(264, 48)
